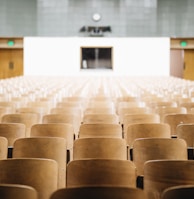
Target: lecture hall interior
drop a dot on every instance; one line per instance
(96, 99)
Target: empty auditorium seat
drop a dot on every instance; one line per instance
(162, 174)
(107, 148)
(12, 131)
(44, 147)
(41, 174)
(186, 132)
(100, 118)
(175, 119)
(17, 191)
(147, 130)
(139, 118)
(162, 111)
(63, 118)
(145, 149)
(100, 130)
(96, 172)
(178, 192)
(28, 119)
(3, 148)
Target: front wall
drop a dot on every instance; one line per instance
(131, 56)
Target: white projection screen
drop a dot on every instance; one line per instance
(60, 56)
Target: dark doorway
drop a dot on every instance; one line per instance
(96, 58)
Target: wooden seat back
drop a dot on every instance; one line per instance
(68, 110)
(41, 174)
(5, 110)
(101, 110)
(179, 192)
(100, 118)
(12, 131)
(3, 148)
(186, 132)
(44, 147)
(175, 119)
(132, 110)
(187, 105)
(38, 110)
(162, 111)
(102, 192)
(63, 130)
(98, 172)
(10, 106)
(100, 130)
(107, 148)
(162, 174)
(63, 118)
(28, 119)
(157, 148)
(17, 191)
(147, 130)
(139, 118)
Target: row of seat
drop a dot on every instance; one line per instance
(102, 138)
(155, 151)
(13, 126)
(42, 174)
(17, 191)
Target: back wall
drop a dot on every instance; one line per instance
(131, 56)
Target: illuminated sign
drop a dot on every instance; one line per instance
(183, 43)
(10, 43)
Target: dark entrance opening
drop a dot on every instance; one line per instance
(96, 58)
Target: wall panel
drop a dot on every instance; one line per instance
(128, 18)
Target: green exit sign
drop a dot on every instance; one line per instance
(10, 43)
(183, 43)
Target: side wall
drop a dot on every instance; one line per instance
(131, 56)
